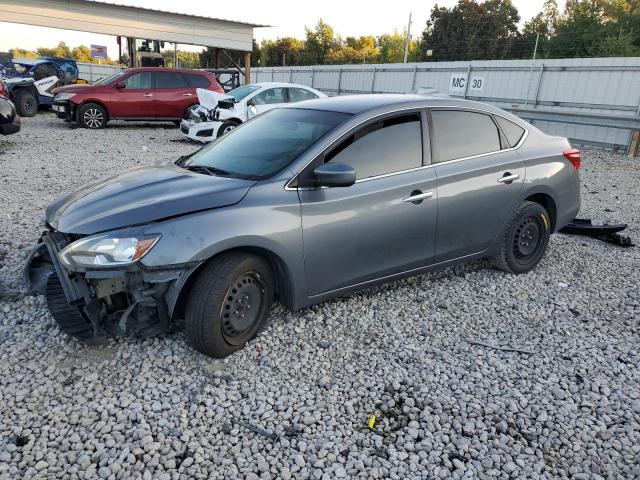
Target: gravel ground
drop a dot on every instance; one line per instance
(295, 402)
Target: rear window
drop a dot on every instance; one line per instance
(512, 131)
(169, 80)
(196, 81)
(459, 134)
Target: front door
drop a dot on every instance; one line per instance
(135, 99)
(381, 225)
(479, 181)
(266, 100)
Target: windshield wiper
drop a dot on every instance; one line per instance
(206, 169)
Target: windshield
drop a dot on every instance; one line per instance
(241, 92)
(266, 144)
(109, 79)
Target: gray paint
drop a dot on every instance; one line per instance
(333, 240)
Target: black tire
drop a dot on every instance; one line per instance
(227, 126)
(92, 115)
(228, 304)
(524, 240)
(26, 103)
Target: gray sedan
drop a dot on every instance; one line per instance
(302, 204)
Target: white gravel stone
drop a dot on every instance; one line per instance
(445, 408)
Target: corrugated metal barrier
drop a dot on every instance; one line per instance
(594, 101)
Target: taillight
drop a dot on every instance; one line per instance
(3, 91)
(573, 156)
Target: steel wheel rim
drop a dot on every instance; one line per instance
(28, 106)
(93, 118)
(242, 307)
(527, 240)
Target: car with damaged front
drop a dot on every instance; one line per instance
(217, 114)
(302, 204)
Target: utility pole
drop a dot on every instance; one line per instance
(407, 40)
(175, 55)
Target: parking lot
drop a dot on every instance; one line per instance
(559, 397)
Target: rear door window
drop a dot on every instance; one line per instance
(169, 80)
(512, 131)
(300, 94)
(459, 134)
(138, 81)
(196, 81)
(387, 146)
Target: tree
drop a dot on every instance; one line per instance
(354, 50)
(283, 51)
(82, 54)
(62, 50)
(471, 30)
(318, 43)
(391, 47)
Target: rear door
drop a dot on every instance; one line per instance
(266, 100)
(172, 95)
(135, 100)
(479, 180)
(385, 222)
(300, 94)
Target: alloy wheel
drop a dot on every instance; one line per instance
(93, 118)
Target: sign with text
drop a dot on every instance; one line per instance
(98, 51)
(460, 83)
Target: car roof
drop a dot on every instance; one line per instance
(167, 69)
(355, 104)
(280, 84)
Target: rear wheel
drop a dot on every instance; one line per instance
(525, 239)
(229, 304)
(227, 126)
(92, 115)
(26, 103)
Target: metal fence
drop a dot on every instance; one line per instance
(93, 72)
(593, 101)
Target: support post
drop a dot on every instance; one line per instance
(247, 67)
(339, 79)
(313, 75)
(373, 80)
(413, 82)
(634, 148)
(466, 84)
(535, 96)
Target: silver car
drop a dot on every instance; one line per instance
(302, 204)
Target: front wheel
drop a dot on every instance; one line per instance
(228, 304)
(226, 127)
(92, 115)
(26, 103)
(524, 240)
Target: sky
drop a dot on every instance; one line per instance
(288, 17)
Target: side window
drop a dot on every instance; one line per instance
(268, 97)
(169, 80)
(458, 134)
(300, 94)
(138, 81)
(512, 131)
(44, 70)
(196, 81)
(387, 146)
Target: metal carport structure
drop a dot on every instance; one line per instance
(136, 22)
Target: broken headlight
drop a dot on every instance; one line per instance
(106, 251)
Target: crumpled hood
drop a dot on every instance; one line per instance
(209, 99)
(142, 195)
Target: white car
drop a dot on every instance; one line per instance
(218, 114)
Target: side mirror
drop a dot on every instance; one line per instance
(334, 175)
(121, 85)
(253, 110)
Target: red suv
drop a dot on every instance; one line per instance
(134, 94)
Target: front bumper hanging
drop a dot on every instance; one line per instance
(607, 233)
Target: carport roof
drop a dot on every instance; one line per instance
(249, 24)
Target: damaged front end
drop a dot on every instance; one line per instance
(92, 303)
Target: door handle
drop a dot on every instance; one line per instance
(187, 94)
(148, 94)
(507, 178)
(417, 196)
